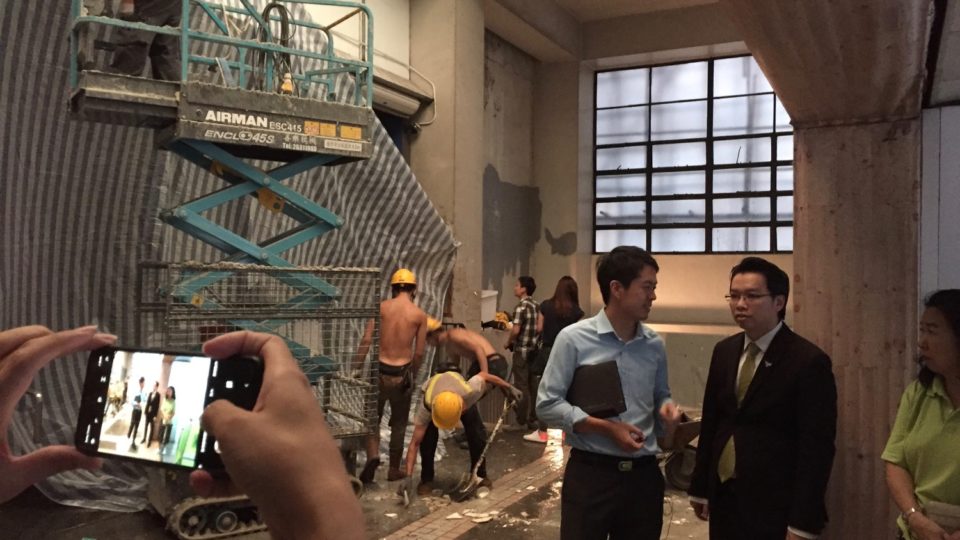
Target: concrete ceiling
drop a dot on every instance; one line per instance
(596, 10)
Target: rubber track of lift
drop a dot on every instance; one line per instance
(173, 520)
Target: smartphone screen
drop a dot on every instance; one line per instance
(145, 405)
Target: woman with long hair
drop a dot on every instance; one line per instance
(923, 472)
(168, 409)
(556, 313)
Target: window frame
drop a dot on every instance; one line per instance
(708, 196)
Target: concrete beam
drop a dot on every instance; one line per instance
(538, 27)
(659, 31)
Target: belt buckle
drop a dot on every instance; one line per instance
(625, 466)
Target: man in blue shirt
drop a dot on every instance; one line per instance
(612, 486)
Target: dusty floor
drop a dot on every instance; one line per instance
(527, 475)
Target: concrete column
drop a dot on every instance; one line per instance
(855, 295)
(446, 45)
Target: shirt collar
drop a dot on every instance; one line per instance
(764, 341)
(936, 387)
(604, 326)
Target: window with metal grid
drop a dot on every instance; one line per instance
(693, 157)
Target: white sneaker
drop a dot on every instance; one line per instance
(536, 436)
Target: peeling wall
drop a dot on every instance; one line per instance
(511, 203)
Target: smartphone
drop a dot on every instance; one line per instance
(145, 404)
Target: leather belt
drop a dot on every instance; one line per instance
(622, 464)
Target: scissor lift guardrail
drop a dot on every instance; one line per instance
(218, 125)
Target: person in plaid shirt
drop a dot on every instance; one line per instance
(523, 343)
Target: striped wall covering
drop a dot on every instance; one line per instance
(78, 213)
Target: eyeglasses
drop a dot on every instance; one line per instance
(749, 297)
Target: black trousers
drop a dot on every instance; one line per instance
(397, 389)
(134, 423)
(148, 433)
(605, 496)
(476, 438)
(134, 46)
(730, 520)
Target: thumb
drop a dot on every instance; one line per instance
(35, 466)
(223, 419)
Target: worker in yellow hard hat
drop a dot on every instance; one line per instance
(403, 329)
(449, 398)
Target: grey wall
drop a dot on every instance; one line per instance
(511, 203)
(940, 203)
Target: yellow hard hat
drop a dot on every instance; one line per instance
(446, 409)
(403, 277)
(432, 324)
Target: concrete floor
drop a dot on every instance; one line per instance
(530, 473)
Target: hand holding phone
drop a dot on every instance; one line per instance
(23, 351)
(280, 454)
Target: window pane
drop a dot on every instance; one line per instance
(623, 87)
(676, 183)
(681, 81)
(784, 208)
(679, 155)
(679, 211)
(737, 116)
(751, 209)
(784, 238)
(741, 239)
(785, 178)
(607, 240)
(783, 118)
(785, 148)
(621, 213)
(627, 157)
(734, 180)
(622, 125)
(679, 121)
(741, 151)
(733, 76)
(630, 185)
(678, 240)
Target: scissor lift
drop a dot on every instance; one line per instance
(231, 106)
(219, 125)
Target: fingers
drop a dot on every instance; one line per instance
(12, 339)
(276, 356)
(205, 485)
(24, 471)
(30, 348)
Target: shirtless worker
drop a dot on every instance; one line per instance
(403, 327)
(449, 398)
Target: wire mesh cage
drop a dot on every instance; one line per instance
(321, 313)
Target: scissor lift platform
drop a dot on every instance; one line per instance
(250, 124)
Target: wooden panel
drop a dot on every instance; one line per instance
(855, 264)
(838, 61)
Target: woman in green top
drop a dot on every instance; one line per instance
(922, 452)
(167, 410)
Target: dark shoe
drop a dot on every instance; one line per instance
(366, 476)
(425, 489)
(486, 482)
(395, 473)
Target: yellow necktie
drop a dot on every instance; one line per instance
(726, 467)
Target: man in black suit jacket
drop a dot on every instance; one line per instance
(151, 411)
(769, 420)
